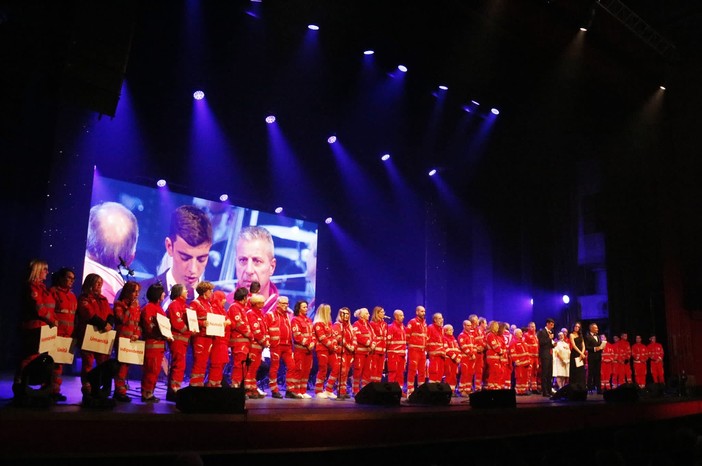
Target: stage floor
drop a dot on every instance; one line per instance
(321, 429)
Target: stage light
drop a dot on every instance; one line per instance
(368, 52)
(402, 68)
(331, 139)
(443, 88)
(270, 119)
(466, 108)
(223, 198)
(475, 102)
(161, 183)
(198, 95)
(531, 301)
(385, 157)
(662, 87)
(313, 27)
(566, 299)
(278, 210)
(494, 111)
(328, 220)
(432, 172)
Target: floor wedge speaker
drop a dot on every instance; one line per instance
(222, 400)
(627, 393)
(431, 394)
(380, 393)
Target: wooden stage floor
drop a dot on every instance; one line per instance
(340, 432)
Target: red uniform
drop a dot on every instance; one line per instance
(202, 343)
(639, 355)
(495, 347)
(327, 349)
(280, 333)
(453, 359)
(92, 310)
(219, 355)
(259, 331)
(347, 342)
(416, 352)
(519, 354)
(655, 353)
(179, 345)
(304, 343)
(436, 351)
(38, 311)
(154, 349)
(378, 355)
(479, 342)
(365, 340)
(623, 373)
(609, 357)
(240, 338)
(127, 316)
(397, 353)
(467, 365)
(66, 304)
(533, 375)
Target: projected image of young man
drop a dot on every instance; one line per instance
(255, 262)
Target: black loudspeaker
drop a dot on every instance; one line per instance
(221, 400)
(431, 394)
(380, 393)
(505, 398)
(655, 390)
(627, 393)
(571, 392)
(34, 388)
(100, 379)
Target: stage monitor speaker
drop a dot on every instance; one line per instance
(503, 398)
(571, 392)
(220, 400)
(655, 390)
(380, 393)
(627, 393)
(100, 380)
(34, 388)
(431, 394)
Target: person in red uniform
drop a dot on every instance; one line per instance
(494, 344)
(365, 344)
(280, 332)
(127, 316)
(260, 340)
(624, 359)
(532, 344)
(303, 344)
(520, 356)
(155, 342)
(436, 349)
(607, 378)
(506, 358)
(479, 326)
(93, 309)
(327, 349)
(219, 355)
(181, 338)
(347, 346)
(65, 310)
(38, 310)
(416, 349)
(397, 350)
(240, 336)
(467, 366)
(453, 357)
(655, 354)
(639, 356)
(202, 342)
(615, 361)
(379, 354)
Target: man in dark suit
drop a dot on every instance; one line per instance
(546, 344)
(594, 358)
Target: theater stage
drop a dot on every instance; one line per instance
(339, 431)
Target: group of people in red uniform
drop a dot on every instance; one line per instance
(484, 355)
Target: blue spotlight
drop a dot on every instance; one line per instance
(475, 102)
(432, 172)
(566, 299)
(313, 27)
(278, 210)
(270, 119)
(402, 68)
(531, 301)
(223, 197)
(328, 220)
(443, 88)
(198, 95)
(385, 157)
(368, 52)
(494, 111)
(331, 139)
(161, 183)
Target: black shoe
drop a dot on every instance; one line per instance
(171, 396)
(289, 394)
(151, 399)
(58, 397)
(121, 397)
(276, 394)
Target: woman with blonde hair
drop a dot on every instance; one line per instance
(380, 353)
(326, 350)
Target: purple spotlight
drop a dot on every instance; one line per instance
(402, 68)
(443, 88)
(161, 183)
(385, 157)
(566, 299)
(223, 197)
(313, 27)
(494, 111)
(328, 220)
(278, 210)
(198, 95)
(466, 108)
(270, 119)
(432, 172)
(368, 52)
(331, 139)
(531, 301)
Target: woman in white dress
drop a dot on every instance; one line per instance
(561, 360)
